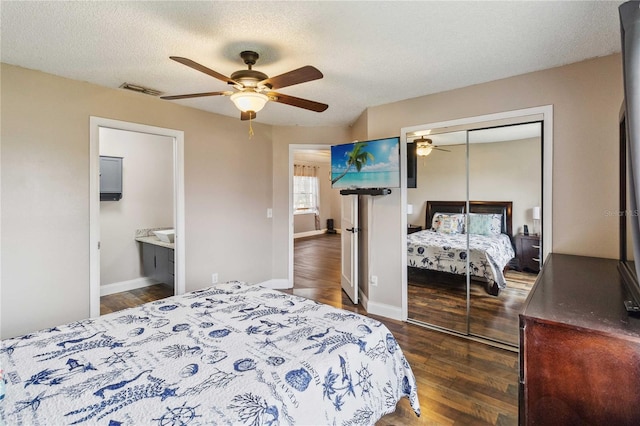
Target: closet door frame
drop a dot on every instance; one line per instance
(542, 113)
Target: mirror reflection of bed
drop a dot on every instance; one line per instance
(504, 163)
(437, 260)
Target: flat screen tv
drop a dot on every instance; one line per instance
(630, 154)
(369, 164)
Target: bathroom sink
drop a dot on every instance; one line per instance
(166, 235)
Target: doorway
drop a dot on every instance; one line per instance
(97, 126)
(312, 223)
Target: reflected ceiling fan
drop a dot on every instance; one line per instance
(253, 89)
(424, 146)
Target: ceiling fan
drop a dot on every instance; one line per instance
(424, 146)
(253, 89)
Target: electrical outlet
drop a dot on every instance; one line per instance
(269, 213)
(373, 280)
(214, 278)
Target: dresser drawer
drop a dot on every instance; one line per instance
(528, 252)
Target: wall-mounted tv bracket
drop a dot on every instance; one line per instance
(366, 191)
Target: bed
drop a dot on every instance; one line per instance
(229, 354)
(489, 229)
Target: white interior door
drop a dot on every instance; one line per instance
(349, 236)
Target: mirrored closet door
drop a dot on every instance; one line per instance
(505, 172)
(470, 268)
(436, 295)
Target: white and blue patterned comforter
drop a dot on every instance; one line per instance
(488, 255)
(231, 354)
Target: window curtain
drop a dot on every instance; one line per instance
(306, 190)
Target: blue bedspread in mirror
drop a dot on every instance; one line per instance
(488, 255)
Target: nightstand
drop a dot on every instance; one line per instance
(528, 252)
(413, 228)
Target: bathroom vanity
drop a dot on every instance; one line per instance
(157, 258)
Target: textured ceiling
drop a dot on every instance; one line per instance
(370, 53)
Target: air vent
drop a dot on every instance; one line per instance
(140, 89)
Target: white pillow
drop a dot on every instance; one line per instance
(448, 223)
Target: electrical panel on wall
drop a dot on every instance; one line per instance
(110, 178)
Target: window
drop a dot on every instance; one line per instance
(306, 190)
(305, 194)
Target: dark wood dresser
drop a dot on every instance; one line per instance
(579, 350)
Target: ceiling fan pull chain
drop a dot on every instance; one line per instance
(250, 127)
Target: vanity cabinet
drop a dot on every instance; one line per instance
(579, 349)
(158, 263)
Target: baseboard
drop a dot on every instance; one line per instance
(312, 233)
(364, 300)
(387, 311)
(126, 285)
(277, 284)
(309, 233)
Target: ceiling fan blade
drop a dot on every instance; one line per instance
(441, 149)
(249, 115)
(202, 68)
(301, 75)
(194, 95)
(297, 102)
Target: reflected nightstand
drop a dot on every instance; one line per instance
(528, 252)
(413, 228)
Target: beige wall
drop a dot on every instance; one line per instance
(360, 129)
(508, 171)
(499, 171)
(230, 181)
(304, 222)
(586, 98)
(45, 193)
(147, 201)
(441, 176)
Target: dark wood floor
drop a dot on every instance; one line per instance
(460, 382)
(129, 299)
(440, 299)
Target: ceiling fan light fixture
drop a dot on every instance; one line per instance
(249, 100)
(251, 84)
(423, 149)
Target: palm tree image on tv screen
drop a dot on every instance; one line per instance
(366, 164)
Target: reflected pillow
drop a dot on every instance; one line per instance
(485, 224)
(448, 223)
